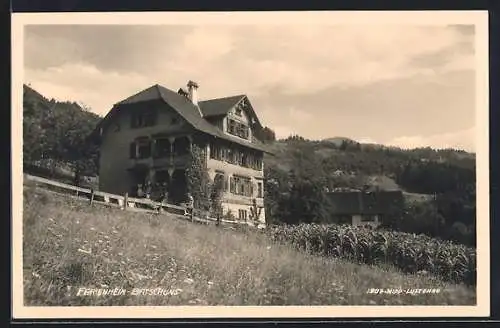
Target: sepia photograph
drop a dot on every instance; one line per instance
(250, 164)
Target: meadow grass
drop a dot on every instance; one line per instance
(68, 245)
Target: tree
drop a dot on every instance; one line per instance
(198, 180)
(343, 145)
(216, 192)
(57, 131)
(276, 192)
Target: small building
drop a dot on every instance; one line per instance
(147, 138)
(361, 208)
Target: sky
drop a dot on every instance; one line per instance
(407, 86)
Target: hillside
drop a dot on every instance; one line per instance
(54, 136)
(439, 185)
(365, 160)
(298, 176)
(69, 244)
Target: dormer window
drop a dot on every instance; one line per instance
(238, 129)
(238, 112)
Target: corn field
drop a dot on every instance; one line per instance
(408, 252)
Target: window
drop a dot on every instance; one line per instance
(257, 163)
(241, 186)
(259, 190)
(144, 148)
(244, 160)
(216, 152)
(212, 150)
(143, 118)
(238, 112)
(231, 126)
(162, 148)
(368, 218)
(181, 146)
(230, 156)
(232, 185)
(242, 215)
(150, 118)
(219, 181)
(238, 129)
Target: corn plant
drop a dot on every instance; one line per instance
(410, 253)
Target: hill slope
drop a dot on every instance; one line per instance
(375, 166)
(68, 244)
(54, 133)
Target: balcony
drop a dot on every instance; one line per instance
(133, 162)
(224, 166)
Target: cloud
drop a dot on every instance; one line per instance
(296, 58)
(366, 140)
(299, 115)
(377, 82)
(282, 131)
(464, 139)
(96, 89)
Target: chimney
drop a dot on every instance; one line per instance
(192, 91)
(193, 94)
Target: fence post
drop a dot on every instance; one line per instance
(91, 196)
(125, 201)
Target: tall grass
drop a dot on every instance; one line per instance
(70, 245)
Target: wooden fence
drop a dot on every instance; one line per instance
(125, 202)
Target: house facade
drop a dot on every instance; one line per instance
(148, 138)
(361, 208)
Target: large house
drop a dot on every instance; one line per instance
(148, 137)
(361, 208)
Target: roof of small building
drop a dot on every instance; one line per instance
(189, 112)
(359, 202)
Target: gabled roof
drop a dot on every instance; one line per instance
(219, 106)
(186, 109)
(357, 202)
